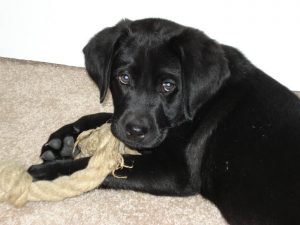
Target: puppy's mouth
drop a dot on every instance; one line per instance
(150, 141)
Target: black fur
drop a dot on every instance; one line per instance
(225, 130)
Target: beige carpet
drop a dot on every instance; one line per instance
(38, 98)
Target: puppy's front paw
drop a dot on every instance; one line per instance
(42, 172)
(51, 170)
(60, 144)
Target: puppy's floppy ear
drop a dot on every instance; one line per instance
(204, 68)
(98, 55)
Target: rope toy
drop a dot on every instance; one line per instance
(17, 188)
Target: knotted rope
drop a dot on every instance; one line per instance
(17, 188)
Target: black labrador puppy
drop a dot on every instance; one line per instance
(204, 118)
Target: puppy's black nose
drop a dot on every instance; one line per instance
(135, 132)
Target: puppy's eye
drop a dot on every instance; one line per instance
(124, 78)
(168, 85)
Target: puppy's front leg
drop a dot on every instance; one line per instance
(150, 173)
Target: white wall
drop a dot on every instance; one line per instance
(267, 31)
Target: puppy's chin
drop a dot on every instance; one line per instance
(151, 141)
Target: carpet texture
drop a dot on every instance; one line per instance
(38, 98)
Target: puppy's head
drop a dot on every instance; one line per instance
(159, 73)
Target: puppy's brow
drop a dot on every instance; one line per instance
(125, 60)
(122, 69)
(123, 63)
(171, 71)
